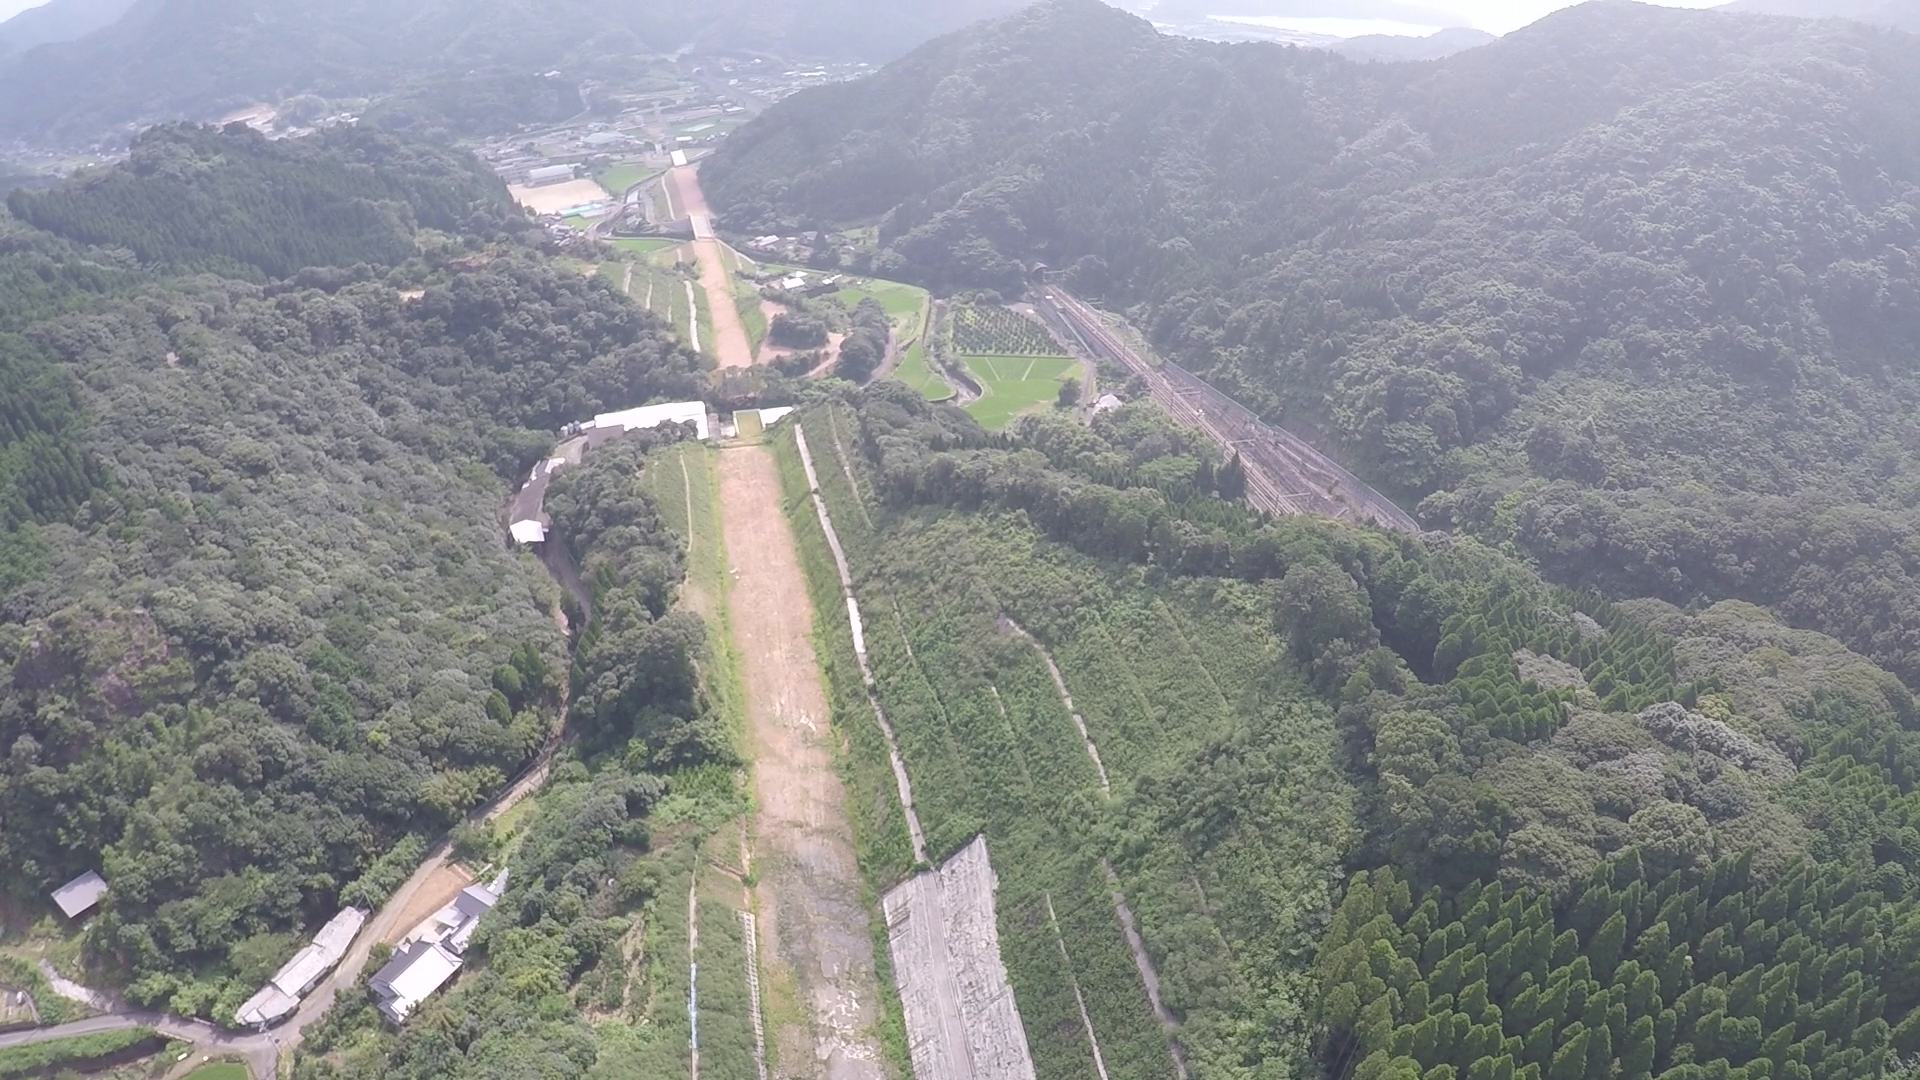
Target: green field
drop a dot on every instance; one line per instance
(644, 245)
(905, 304)
(620, 178)
(915, 371)
(662, 291)
(1011, 386)
(219, 1070)
(581, 223)
(746, 300)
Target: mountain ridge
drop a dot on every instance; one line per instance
(193, 59)
(1631, 289)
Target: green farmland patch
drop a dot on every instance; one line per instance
(986, 330)
(917, 372)
(904, 304)
(644, 245)
(1012, 386)
(619, 179)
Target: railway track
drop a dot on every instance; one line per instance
(1285, 474)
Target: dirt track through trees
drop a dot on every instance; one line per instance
(813, 925)
(730, 342)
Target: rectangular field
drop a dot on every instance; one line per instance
(1012, 386)
(553, 198)
(644, 245)
(962, 1021)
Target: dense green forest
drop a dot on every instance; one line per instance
(1593, 839)
(1631, 291)
(234, 202)
(263, 634)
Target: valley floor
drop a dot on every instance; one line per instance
(730, 343)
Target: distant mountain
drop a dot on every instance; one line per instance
(1382, 48)
(1631, 289)
(59, 20)
(197, 58)
(1904, 14)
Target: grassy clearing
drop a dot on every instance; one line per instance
(644, 245)
(219, 1070)
(905, 304)
(620, 178)
(746, 300)
(21, 972)
(1012, 386)
(664, 293)
(917, 372)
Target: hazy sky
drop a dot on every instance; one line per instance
(1494, 16)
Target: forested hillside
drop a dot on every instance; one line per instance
(1596, 839)
(195, 59)
(234, 202)
(585, 970)
(1632, 290)
(262, 633)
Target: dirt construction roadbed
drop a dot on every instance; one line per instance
(814, 929)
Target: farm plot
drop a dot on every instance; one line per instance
(1181, 686)
(644, 245)
(1012, 386)
(906, 305)
(982, 330)
(620, 178)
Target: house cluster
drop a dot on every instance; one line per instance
(432, 954)
(792, 249)
(281, 996)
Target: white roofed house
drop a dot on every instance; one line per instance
(80, 895)
(283, 992)
(411, 977)
(432, 955)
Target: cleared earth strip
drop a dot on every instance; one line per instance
(693, 974)
(1129, 927)
(918, 836)
(750, 936)
(693, 319)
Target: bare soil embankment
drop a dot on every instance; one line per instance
(813, 927)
